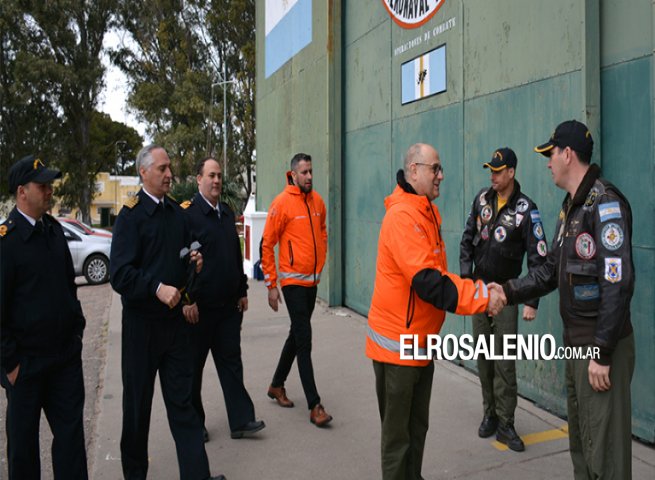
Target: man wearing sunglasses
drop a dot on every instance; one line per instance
(503, 225)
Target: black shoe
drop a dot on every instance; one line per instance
(488, 426)
(205, 435)
(507, 435)
(248, 429)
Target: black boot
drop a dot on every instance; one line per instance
(488, 426)
(507, 435)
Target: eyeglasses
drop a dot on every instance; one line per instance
(436, 167)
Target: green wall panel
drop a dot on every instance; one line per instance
(368, 179)
(627, 140)
(507, 44)
(626, 30)
(627, 130)
(367, 85)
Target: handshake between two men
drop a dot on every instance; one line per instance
(498, 301)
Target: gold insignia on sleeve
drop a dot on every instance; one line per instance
(3, 230)
(131, 203)
(186, 204)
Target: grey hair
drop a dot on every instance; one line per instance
(413, 154)
(144, 157)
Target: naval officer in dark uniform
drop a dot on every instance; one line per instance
(146, 270)
(42, 325)
(221, 300)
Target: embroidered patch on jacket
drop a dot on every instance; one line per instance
(522, 205)
(538, 231)
(483, 199)
(535, 216)
(585, 246)
(612, 236)
(586, 292)
(519, 219)
(485, 233)
(500, 234)
(486, 214)
(542, 249)
(591, 199)
(608, 211)
(613, 269)
(507, 220)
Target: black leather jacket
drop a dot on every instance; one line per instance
(591, 262)
(495, 241)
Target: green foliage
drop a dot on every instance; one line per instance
(175, 53)
(50, 75)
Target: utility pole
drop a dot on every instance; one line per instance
(221, 83)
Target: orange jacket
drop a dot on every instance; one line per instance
(413, 288)
(297, 221)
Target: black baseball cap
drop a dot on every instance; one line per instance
(30, 169)
(501, 159)
(572, 134)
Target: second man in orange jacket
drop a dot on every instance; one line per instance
(296, 220)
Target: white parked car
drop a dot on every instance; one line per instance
(90, 254)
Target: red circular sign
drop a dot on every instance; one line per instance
(412, 13)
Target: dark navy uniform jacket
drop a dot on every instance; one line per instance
(40, 310)
(222, 280)
(591, 262)
(145, 252)
(495, 241)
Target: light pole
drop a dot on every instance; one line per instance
(222, 83)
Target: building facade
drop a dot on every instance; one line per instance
(354, 83)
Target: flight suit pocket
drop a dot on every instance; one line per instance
(584, 289)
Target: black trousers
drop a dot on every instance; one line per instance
(219, 331)
(150, 346)
(300, 304)
(56, 386)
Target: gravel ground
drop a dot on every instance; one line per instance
(95, 300)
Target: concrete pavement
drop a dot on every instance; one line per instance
(292, 448)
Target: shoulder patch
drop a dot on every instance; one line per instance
(608, 211)
(132, 202)
(6, 227)
(186, 204)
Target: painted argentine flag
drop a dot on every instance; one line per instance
(424, 76)
(288, 30)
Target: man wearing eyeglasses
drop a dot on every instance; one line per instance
(413, 290)
(504, 224)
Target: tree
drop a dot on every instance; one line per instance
(110, 149)
(29, 114)
(232, 26)
(53, 50)
(173, 54)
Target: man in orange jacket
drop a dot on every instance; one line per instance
(413, 290)
(296, 220)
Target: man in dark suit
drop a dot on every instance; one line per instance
(147, 271)
(220, 301)
(42, 326)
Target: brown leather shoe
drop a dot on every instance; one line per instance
(280, 395)
(319, 417)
